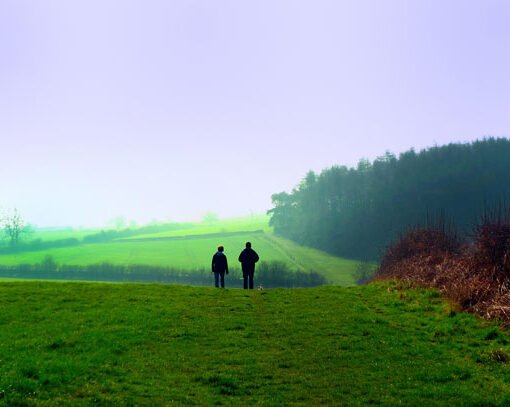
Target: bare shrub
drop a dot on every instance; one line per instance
(492, 246)
(476, 276)
(427, 247)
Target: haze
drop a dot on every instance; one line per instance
(170, 109)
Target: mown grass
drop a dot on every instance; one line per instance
(132, 344)
(192, 247)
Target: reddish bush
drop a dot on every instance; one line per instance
(430, 245)
(476, 276)
(492, 247)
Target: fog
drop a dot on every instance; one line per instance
(168, 110)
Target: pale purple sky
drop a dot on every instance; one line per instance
(161, 109)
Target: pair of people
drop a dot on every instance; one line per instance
(248, 258)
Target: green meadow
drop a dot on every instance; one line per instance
(188, 247)
(148, 344)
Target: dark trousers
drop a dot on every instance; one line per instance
(248, 278)
(217, 277)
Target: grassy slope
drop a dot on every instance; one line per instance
(70, 343)
(193, 249)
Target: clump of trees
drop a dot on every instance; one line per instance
(358, 212)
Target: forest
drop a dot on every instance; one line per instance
(357, 212)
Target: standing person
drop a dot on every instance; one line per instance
(219, 267)
(248, 258)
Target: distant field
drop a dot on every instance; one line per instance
(191, 247)
(136, 344)
(251, 223)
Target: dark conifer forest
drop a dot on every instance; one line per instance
(357, 212)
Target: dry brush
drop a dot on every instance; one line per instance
(475, 275)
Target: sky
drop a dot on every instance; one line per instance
(166, 110)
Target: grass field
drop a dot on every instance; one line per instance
(191, 247)
(132, 344)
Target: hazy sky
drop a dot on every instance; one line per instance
(161, 109)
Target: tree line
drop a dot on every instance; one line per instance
(357, 212)
(271, 274)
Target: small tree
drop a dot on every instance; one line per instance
(14, 226)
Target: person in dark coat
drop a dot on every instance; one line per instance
(248, 258)
(219, 267)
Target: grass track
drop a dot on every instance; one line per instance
(131, 344)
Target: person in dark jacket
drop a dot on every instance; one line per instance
(219, 267)
(248, 258)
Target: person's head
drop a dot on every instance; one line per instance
(220, 248)
(248, 245)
